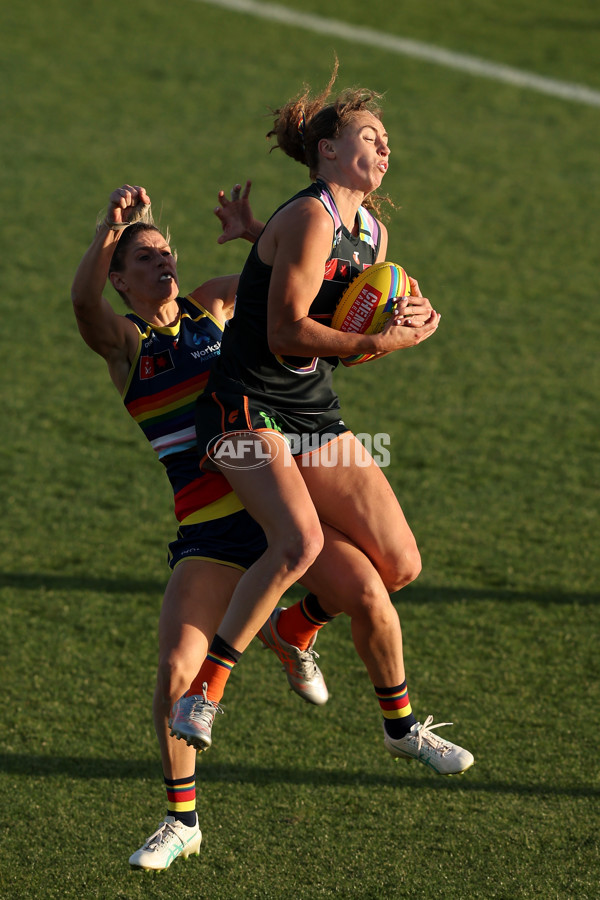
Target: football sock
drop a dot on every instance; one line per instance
(398, 717)
(298, 624)
(181, 799)
(215, 670)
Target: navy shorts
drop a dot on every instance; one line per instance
(234, 540)
(229, 411)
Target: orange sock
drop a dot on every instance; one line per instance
(298, 624)
(215, 670)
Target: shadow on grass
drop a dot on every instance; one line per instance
(31, 581)
(82, 768)
(34, 581)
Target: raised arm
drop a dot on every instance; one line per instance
(237, 220)
(109, 334)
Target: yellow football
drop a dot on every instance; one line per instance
(368, 303)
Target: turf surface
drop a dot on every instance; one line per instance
(494, 440)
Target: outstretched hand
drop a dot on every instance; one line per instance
(235, 215)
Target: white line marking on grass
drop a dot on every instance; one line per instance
(578, 93)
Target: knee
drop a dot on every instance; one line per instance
(306, 549)
(300, 550)
(373, 607)
(403, 569)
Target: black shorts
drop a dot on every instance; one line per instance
(234, 540)
(229, 410)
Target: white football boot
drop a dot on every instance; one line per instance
(430, 749)
(170, 840)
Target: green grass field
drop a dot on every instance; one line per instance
(494, 428)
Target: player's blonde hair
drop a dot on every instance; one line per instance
(302, 122)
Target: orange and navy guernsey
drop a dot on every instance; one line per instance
(168, 374)
(293, 383)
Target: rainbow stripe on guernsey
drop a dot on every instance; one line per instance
(368, 226)
(329, 204)
(167, 417)
(297, 370)
(168, 374)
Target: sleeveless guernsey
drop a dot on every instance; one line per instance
(293, 383)
(167, 376)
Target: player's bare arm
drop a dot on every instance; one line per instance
(217, 296)
(297, 244)
(106, 332)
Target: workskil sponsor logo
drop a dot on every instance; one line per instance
(211, 350)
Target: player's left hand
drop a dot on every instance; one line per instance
(235, 215)
(416, 310)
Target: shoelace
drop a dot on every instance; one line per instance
(162, 836)
(434, 741)
(203, 709)
(305, 663)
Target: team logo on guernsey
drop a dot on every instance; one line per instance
(337, 270)
(151, 366)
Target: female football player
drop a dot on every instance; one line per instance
(270, 420)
